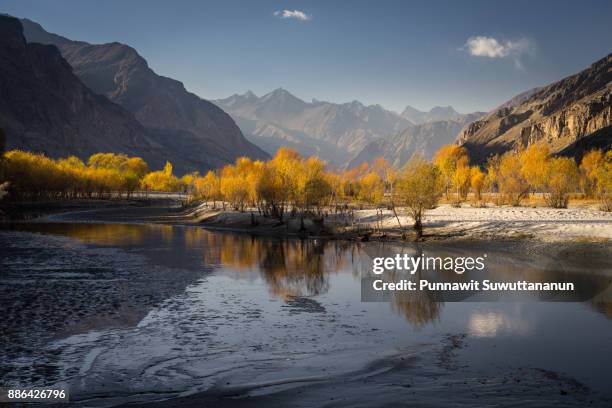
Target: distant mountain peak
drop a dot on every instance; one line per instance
(446, 109)
(281, 91)
(437, 113)
(282, 98)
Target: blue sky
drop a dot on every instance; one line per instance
(473, 55)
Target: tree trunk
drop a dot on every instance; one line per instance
(418, 227)
(396, 216)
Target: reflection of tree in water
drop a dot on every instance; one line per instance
(419, 310)
(289, 267)
(294, 268)
(417, 306)
(101, 234)
(604, 308)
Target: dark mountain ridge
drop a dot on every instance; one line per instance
(46, 108)
(185, 124)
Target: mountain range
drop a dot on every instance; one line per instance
(423, 140)
(63, 97)
(571, 116)
(335, 132)
(437, 113)
(164, 117)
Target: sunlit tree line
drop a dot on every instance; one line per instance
(35, 176)
(511, 178)
(291, 183)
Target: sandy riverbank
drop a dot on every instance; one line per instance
(443, 222)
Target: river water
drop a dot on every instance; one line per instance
(124, 313)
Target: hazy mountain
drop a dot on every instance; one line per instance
(335, 132)
(436, 114)
(200, 130)
(424, 139)
(570, 115)
(44, 107)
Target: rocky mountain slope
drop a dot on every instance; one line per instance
(195, 127)
(424, 140)
(570, 115)
(335, 132)
(44, 107)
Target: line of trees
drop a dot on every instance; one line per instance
(290, 182)
(35, 176)
(514, 176)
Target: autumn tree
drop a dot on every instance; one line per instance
(419, 188)
(535, 165)
(313, 186)
(561, 178)
(492, 177)
(317, 191)
(477, 183)
(162, 180)
(604, 182)
(270, 191)
(371, 188)
(461, 181)
(590, 166)
(233, 189)
(513, 187)
(283, 168)
(448, 158)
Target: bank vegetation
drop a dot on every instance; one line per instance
(291, 185)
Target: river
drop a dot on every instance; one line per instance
(137, 313)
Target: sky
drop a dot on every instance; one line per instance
(473, 55)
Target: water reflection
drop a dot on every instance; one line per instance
(302, 268)
(101, 234)
(289, 267)
(186, 295)
(493, 324)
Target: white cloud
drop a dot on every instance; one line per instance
(482, 46)
(297, 14)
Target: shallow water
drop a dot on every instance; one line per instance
(127, 313)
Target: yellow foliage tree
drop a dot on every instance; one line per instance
(419, 188)
(461, 181)
(513, 187)
(162, 180)
(591, 164)
(560, 180)
(448, 158)
(534, 165)
(604, 182)
(477, 183)
(371, 188)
